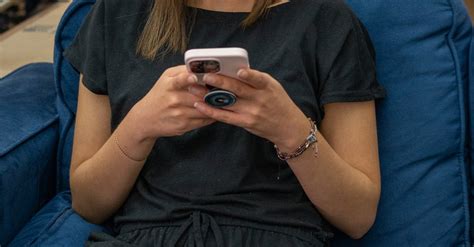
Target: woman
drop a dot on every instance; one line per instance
(165, 169)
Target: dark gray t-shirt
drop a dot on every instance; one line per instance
(318, 51)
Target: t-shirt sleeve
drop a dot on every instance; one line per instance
(346, 58)
(87, 51)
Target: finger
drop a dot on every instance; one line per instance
(197, 123)
(254, 78)
(242, 106)
(183, 81)
(179, 99)
(230, 84)
(190, 113)
(173, 71)
(198, 90)
(220, 115)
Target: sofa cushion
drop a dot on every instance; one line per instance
(28, 138)
(26, 90)
(67, 78)
(422, 55)
(56, 225)
(421, 47)
(471, 127)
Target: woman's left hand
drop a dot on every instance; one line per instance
(263, 108)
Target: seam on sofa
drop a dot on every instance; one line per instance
(470, 119)
(71, 11)
(22, 68)
(59, 60)
(463, 109)
(58, 218)
(2, 202)
(60, 154)
(35, 131)
(27, 137)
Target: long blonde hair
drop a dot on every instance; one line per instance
(165, 28)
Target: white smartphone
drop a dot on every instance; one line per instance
(224, 61)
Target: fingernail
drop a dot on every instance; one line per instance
(242, 74)
(196, 104)
(192, 79)
(208, 78)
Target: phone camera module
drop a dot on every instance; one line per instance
(206, 66)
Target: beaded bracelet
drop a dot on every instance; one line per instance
(311, 140)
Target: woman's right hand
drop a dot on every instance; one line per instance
(168, 108)
(101, 156)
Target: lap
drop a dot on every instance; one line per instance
(231, 236)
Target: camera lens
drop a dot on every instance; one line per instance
(205, 66)
(211, 66)
(197, 67)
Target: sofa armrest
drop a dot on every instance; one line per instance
(56, 225)
(28, 140)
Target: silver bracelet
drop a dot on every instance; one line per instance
(311, 140)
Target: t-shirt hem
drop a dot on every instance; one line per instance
(353, 96)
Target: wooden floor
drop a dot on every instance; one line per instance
(32, 40)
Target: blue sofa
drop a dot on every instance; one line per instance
(425, 56)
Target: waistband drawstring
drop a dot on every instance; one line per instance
(200, 223)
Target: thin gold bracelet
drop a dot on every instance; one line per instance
(123, 152)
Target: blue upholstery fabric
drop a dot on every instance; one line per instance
(55, 225)
(422, 55)
(67, 78)
(28, 136)
(471, 125)
(423, 62)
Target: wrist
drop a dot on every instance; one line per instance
(310, 140)
(130, 137)
(135, 121)
(293, 136)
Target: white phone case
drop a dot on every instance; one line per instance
(231, 60)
